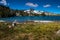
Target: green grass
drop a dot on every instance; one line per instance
(30, 31)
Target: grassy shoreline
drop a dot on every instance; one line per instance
(30, 31)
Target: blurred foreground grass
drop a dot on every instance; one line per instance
(30, 31)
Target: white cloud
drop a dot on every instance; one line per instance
(58, 6)
(3, 2)
(31, 4)
(47, 5)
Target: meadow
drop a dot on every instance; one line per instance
(30, 31)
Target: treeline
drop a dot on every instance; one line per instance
(6, 11)
(22, 13)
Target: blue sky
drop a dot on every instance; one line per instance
(44, 5)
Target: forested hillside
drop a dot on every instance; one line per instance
(6, 11)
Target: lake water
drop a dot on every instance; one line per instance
(27, 18)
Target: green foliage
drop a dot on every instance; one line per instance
(5, 11)
(32, 31)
